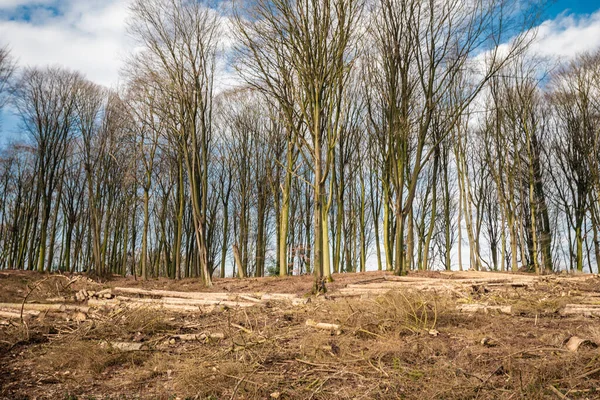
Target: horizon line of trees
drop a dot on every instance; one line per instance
(364, 132)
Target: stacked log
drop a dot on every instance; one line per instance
(27, 311)
(84, 295)
(181, 302)
(461, 285)
(188, 301)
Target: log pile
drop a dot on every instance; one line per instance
(27, 311)
(467, 284)
(461, 284)
(85, 301)
(186, 302)
(84, 295)
(191, 301)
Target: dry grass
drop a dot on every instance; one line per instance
(86, 358)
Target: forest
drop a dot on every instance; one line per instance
(357, 135)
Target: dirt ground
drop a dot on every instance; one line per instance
(388, 339)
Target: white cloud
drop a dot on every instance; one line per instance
(10, 4)
(88, 36)
(568, 35)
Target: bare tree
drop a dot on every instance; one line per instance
(7, 69)
(574, 99)
(180, 39)
(315, 38)
(45, 100)
(424, 48)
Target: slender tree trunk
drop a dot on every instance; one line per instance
(387, 228)
(225, 235)
(433, 216)
(143, 260)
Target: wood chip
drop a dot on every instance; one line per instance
(574, 343)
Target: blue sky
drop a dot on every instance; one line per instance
(573, 6)
(90, 36)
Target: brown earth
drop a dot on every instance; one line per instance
(396, 339)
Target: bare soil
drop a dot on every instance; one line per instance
(408, 339)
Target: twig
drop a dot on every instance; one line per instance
(242, 379)
(370, 333)
(378, 369)
(465, 373)
(31, 289)
(245, 378)
(310, 363)
(592, 372)
(482, 385)
(248, 331)
(236, 387)
(557, 393)
(71, 281)
(318, 388)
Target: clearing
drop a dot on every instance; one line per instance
(439, 335)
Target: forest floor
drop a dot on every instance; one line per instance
(460, 335)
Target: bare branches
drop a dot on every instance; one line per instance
(7, 69)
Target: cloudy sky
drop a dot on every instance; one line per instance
(90, 35)
(86, 35)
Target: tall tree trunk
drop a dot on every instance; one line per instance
(143, 260)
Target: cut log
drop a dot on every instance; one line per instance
(144, 304)
(17, 315)
(74, 307)
(183, 295)
(182, 308)
(123, 346)
(407, 279)
(292, 298)
(278, 296)
(103, 292)
(54, 308)
(587, 310)
(188, 302)
(34, 306)
(56, 300)
(203, 302)
(474, 308)
(190, 337)
(97, 303)
(213, 298)
(335, 328)
(249, 298)
(363, 291)
(342, 295)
